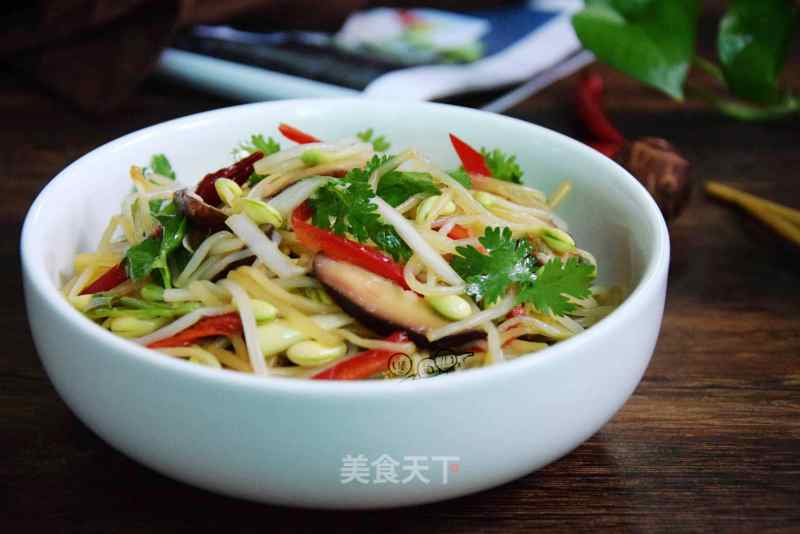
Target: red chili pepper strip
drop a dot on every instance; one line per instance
(471, 159)
(228, 324)
(343, 249)
(459, 232)
(115, 275)
(364, 364)
(298, 136)
(608, 149)
(239, 172)
(516, 311)
(108, 280)
(303, 212)
(409, 18)
(589, 104)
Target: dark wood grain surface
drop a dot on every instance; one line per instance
(710, 441)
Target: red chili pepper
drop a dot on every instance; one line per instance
(589, 105)
(219, 325)
(408, 17)
(516, 311)
(343, 249)
(108, 280)
(608, 149)
(364, 364)
(298, 136)
(303, 212)
(459, 232)
(115, 275)
(471, 159)
(239, 172)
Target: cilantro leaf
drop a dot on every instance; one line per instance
(141, 257)
(397, 186)
(506, 261)
(330, 207)
(258, 143)
(555, 280)
(503, 167)
(462, 177)
(153, 253)
(366, 135)
(254, 178)
(173, 229)
(362, 175)
(159, 164)
(344, 206)
(387, 238)
(380, 143)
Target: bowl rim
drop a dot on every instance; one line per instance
(37, 279)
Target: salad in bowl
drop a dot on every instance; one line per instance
(338, 259)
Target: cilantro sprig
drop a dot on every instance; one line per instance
(507, 262)
(258, 143)
(398, 186)
(503, 166)
(379, 143)
(153, 253)
(345, 206)
(556, 279)
(462, 177)
(159, 164)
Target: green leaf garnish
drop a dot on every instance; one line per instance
(398, 186)
(173, 230)
(141, 257)
(508, 262)
(254, 178)
(153, 252)
(380, 143)
(159, 164)
(344, 206)
(555, 280)
(258, 143)
(489, 275)
(462, 177)
(503, 167)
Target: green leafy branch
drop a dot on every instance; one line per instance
(654, 42)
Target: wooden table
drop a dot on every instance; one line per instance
(709, 441)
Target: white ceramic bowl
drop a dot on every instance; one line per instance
(283, 441)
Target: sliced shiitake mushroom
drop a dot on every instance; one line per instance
(200, 214)
(383, 306)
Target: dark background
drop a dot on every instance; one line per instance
(709, 441)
